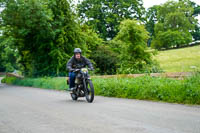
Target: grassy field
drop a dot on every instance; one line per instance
(180, 60)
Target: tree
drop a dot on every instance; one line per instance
(90, 40)
(196, 32)
(132, 39)
(105, 16)
(106, 60)
(8, 55)
(174, 18)
(151, 20)
(45, 34)
(66, 35)
(171, 38)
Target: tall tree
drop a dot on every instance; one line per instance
(151, 20)
(45, 33)
(174, 18)
(8, 54)
(105, 15)
(196, 32)
(132, 39)
(66, 32)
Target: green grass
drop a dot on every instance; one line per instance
(150, 88)
(180, 60)
(185, 91)
(46, 83)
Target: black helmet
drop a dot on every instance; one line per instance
(77, 50)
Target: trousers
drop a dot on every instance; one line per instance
(72, 77)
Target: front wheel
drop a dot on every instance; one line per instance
(89, 91)
(74, 96)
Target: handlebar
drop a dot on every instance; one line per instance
(90, 69)
(76, 70)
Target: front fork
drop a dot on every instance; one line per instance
(85, 87)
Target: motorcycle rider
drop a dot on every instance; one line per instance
(76, 62)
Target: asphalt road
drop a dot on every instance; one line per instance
(34, 110)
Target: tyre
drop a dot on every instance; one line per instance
(74, 96)
(89, 91)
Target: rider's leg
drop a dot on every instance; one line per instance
(72, 77)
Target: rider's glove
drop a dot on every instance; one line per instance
(76, 70)
(71, 70)
(91, 69)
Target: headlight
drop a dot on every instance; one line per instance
(84, 70)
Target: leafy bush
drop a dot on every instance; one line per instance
(106, 60)
(3, 80)
(9, 80)
(170, 39)
(151, 88)
(132, 39)
(47, 82)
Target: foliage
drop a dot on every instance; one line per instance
(45, 34)
(196, 32)
(132, 39)
(29, 22)
(185, 91)
(9, 80)
(151, 88)
(174, 18)
(105, 16)
(151, 20)
(38, 37)
(106, 60)
(46, 82)
(196, 8)
(90, 40)
(8, 54)
(171, 38)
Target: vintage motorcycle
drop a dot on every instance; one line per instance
(83, 85)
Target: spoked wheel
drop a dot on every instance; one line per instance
(89, 91)
(74, 96)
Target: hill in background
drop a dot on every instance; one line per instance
(180, 60)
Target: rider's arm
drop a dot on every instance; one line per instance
(69, 64)
(89, 64)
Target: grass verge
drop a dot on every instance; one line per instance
(185, 91)
(46, 83)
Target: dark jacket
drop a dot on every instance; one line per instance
(73, 63)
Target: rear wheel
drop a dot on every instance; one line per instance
(89, 91)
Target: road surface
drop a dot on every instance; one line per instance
(34, 110)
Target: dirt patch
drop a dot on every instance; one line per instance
(13, 75)
(177, 75)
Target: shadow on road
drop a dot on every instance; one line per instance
(72, 101)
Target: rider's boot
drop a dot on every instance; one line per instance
(71, 89)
